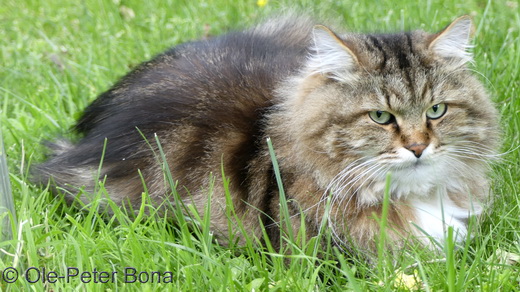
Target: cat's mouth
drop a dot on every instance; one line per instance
(410, 165)
(418, 163)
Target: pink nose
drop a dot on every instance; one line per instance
(416, 149)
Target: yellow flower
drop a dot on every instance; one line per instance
(411, 282)
(261, 3)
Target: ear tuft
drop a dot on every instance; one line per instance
(454, 41)
(330, 56)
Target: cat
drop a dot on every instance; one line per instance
(341, 110)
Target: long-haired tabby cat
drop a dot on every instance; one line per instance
(342, 110)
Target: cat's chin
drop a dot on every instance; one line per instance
(420, 180)
(414, 179)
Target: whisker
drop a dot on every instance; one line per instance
(476, 146)
(354, 180)
(475, 153)
(339, 200)
(343, 175)
(459, 155)
(457, 164)
(339, 177)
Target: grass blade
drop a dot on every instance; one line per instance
(285, 219)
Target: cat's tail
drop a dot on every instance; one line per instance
(58, 173)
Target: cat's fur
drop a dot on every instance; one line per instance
(213, 103)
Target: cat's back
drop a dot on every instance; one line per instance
(240, 68)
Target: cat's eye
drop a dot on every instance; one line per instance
(381, 117)
(436, 111)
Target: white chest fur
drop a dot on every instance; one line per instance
(435, 214)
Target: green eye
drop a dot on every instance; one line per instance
(381, 117)
(436, 111)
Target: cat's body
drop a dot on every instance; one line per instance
(341, 112)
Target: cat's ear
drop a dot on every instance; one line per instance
(454, 42)
(331, 56)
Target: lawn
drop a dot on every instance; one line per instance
(56, 56)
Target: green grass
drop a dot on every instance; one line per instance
(57, 56)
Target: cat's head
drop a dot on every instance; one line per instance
(406, 103)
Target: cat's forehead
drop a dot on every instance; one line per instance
(394, 93)
(388, 53)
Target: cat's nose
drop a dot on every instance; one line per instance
(416, 148)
